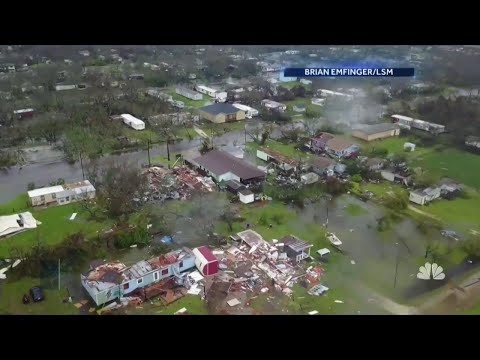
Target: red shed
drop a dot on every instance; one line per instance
(205, 261)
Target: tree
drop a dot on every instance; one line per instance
(299, 91)
(424, 179)
(122, 186)
(471, 246)
(397, 201)
(229, 217)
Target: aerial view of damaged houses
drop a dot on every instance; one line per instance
(239, 180)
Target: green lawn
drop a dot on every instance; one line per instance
(456, 164)
(193, 303)
(54, 228)
(355, 210)
(11, 300)
(17, 205)
(462, 213)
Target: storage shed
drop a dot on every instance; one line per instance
(205, 261)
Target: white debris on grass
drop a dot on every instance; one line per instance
(181, 311)
(339, 301)
(352, 262)
(264, 290)
(133, 246)
(72, 217)
(233, 302)
(314, 312)
(194, 290)
(18, 261)
(196, 276)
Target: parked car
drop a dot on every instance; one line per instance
(450, 234)
(36, 293)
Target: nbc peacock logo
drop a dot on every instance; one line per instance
(430, 271)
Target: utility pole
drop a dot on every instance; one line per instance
(148, 151)
(396, 267)
(245, 129)
(81, 164)
(59, 274)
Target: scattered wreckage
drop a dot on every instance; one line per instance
(177, 184)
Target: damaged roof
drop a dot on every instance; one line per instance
(279, 157)
(251, 238)
(219, 163)
(295, 243)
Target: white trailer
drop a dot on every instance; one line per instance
(133, 122)
(206, 90)
(249, 112)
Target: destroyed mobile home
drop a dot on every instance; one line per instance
(178, 183)
(227, 278)
(253, 267)
(109, 281)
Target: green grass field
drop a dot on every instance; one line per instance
(355, 210)
(54, 228)
(460, 213)
(456, 164)
(11, 300)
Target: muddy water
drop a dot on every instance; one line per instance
(374, 253)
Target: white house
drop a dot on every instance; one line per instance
(273, 105)
(133, 122)
(422, 197)
(408, 122)
(13, 224)
(221, 96)
(318, 101)
(206, 90)
(325, 93)
(409, 146)
(249, 112)
(246, 196)
(62, 194)
(190, 94)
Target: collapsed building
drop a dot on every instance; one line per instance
(177, 183)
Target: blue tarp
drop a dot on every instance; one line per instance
(167, 239)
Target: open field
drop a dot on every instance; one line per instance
(12, 293)
(456, 164)
(54, 228)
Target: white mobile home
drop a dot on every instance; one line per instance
(62, 194)
(221, 96)
(249, 112)
(206, 90)
(189, 94)
(133, 122)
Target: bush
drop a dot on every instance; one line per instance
(278, 219)
(263, 220)
(357, 178)
(30, 186)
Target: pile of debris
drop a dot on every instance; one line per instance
(252, 267)
(177, 184)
